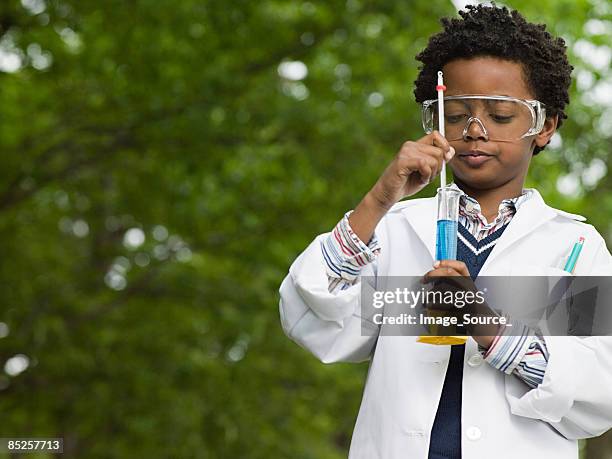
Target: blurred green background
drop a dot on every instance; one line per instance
(162, 164)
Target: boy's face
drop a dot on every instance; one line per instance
(504, 161)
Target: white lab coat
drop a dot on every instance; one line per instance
(501, 416)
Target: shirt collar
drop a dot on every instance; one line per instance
(471, 206)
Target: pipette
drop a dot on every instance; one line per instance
(440, 88)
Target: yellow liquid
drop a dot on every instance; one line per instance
(442, 340)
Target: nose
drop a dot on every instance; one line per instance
(475, 130)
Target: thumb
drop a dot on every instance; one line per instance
(449, 154)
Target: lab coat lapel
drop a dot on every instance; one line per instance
(530, 215)
(422, 216)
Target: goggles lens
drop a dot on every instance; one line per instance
(497, 118)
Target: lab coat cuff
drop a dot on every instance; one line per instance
(311, 283)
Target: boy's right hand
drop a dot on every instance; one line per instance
(413, 168)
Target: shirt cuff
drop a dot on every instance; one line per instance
(508, 348)
(533, 366)
(345, 254)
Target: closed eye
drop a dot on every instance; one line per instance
(455, 118)
(502, 118)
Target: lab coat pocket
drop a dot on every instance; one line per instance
(525, 294)
(534, 292)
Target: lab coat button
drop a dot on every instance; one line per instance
(475, 360)
(473, 433)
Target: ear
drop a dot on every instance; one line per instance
(550, 126)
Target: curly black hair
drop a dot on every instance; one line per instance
(489, 30)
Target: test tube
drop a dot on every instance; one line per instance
(448, 216)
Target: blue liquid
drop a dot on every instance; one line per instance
(446, 240)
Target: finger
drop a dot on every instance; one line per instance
(439, 272)
(444, 271)
(458, 278)
(438, 140)
(450, 154)
(427, 161)
(457, 265)
(425, 166)
(435, 138)
(417, 150)
(438, 153)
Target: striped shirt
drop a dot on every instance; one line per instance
(524, 355)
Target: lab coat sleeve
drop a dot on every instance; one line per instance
(575, 397)
(328, 324)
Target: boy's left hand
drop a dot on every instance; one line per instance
(463, 281)
(451, 268)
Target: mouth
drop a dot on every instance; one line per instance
(475, 153)
(475, 157)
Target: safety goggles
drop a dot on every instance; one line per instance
(497, 118)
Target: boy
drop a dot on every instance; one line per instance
(497, 396)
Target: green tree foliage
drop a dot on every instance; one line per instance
(160, 172)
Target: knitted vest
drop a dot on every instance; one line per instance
(446, 431)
